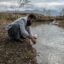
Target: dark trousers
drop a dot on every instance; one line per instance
(14, 32)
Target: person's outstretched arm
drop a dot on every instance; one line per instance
(25, 33)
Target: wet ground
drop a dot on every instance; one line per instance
(50, 43)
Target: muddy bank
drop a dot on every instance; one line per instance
(59, 23)
(14, 52)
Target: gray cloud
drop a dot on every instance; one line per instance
(34, 1)
(37, 0)
(8, 0)
(47, 0)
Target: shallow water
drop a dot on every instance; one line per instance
(50, 44)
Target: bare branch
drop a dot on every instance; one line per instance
(23, 2)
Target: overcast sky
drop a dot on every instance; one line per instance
(38, 0)
(39, 3)
(47, 0)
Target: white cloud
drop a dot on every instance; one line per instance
(40, 4)
(46, 1)
(8, 4)
(48, 5)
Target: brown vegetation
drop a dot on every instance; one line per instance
(14, 52)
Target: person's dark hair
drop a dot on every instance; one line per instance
(32, 16)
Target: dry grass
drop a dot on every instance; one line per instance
(6, 18)
(61, 23)
(14, 52)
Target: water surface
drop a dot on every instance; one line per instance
(50, 44)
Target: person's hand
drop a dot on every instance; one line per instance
(33, 40)
(27, 40)
(35, 36)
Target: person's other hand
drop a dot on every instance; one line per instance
(33, 40)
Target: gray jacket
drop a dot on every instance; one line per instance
(25, 30)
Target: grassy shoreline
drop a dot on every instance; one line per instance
(14, 52)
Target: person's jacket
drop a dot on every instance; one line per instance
(24, 29)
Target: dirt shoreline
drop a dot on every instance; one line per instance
(14, 52)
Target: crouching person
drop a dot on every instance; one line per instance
(20, 29)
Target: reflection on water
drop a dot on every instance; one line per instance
(50, 44)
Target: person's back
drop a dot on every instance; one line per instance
(18, 21)
(16, 26)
